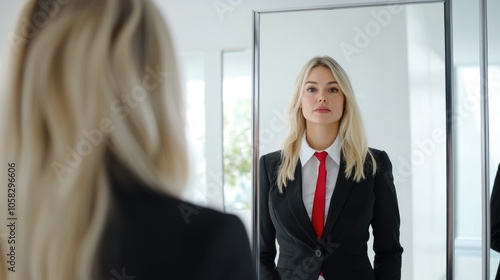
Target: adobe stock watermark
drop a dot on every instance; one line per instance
(213, 190)
(425, 148)
(363, 36)
(187, 210)
(223, 6)
(121, 276)
(121, 106)
(30, 27)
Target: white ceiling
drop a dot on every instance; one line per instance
(200, 25)
(226, 24)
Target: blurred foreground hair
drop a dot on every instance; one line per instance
(93, 91)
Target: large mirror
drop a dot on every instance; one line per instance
(394, 56)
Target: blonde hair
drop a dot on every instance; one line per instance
(352, 134)
(94, 88)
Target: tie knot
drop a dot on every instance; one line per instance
(321, 155)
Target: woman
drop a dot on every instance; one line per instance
(320, 205)
(96, 130)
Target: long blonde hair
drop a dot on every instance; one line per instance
(94, 83)
(352, 134)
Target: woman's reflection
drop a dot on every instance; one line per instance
(320, 193)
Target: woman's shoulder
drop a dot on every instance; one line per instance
(275, 154)
(171, 213)
(375, 151)
(203, 216)
(159, 232)
(383, 161)
(270, 163)
(271, 157)
(378, 154)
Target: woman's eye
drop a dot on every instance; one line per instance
(311, 90)
(334, 90)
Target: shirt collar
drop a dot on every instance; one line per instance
(306, 152)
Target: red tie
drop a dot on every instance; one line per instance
(318, 212)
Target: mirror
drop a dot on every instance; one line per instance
(395, 59)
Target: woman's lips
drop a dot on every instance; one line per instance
(322, 110)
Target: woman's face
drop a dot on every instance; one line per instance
(322, 100)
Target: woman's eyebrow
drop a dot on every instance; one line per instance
(329, 83)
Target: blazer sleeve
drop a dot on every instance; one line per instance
(267, 242)
(495, 213)
(386, 223)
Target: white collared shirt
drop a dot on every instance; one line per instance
(310, 165)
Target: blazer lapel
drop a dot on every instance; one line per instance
(294, 195)
(343, 188)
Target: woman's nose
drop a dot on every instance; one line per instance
(321, 97)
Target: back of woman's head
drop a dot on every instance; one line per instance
(94, 90)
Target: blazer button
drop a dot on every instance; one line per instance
(318, 253)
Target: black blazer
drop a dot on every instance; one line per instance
(341, 254)
(154, 236)
(495, 217)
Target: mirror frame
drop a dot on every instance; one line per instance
(485, 137)
(450, 133)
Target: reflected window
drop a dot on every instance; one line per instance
(192, 69)
(237, 144)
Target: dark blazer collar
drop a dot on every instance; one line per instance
(293, 192)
